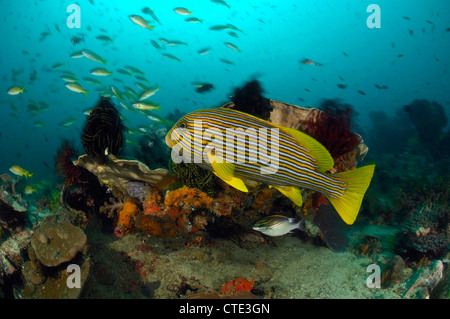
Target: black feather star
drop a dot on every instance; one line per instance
(102, 134)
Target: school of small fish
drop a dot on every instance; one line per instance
(138, 98)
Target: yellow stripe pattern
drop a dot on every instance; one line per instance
(296, 165)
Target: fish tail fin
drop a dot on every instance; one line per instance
(30, 174)
(301, 225)
(348, 204)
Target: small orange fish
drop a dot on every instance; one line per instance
(310, 62)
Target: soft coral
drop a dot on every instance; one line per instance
(65, 166)
(331, 127)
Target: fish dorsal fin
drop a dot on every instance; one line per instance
(323, 158)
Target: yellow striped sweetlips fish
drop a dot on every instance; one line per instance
(236, 146)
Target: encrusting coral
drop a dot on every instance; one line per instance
(238, 284)
(185, 211)
(126, 219)
(187, 198)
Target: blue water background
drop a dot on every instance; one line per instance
(276, 36)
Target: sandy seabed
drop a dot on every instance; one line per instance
(139, 266)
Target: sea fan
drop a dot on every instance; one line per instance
(331, 127)
(64, 164)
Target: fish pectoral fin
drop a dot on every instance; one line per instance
(291, 192)
(225, 171)
(235, 182)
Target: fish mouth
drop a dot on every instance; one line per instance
(169, 141)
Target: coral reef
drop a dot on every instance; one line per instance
(187, 220)
(190, 212)
(411, 188)
(429, 119)
(182, 209)
(156, 226)
(426, 230)
(11, 254)
(11, 190)
(111, 207)
(187, 198)
(409, 195)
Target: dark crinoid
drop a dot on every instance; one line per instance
(249, 99)
(102, 133)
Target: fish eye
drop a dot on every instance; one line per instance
(183, 125)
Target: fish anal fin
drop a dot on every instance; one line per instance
(292, 192)
(235, 182)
